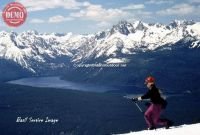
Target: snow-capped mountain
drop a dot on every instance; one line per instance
(131, 37)
(33, 50)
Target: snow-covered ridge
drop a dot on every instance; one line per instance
(123, 38)
(193, 129)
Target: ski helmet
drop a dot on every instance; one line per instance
(150, 79)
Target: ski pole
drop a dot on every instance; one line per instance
(139, 107)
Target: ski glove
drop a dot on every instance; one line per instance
(136, 99)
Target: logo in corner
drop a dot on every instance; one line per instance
(14, 14)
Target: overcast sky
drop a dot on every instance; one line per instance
(91, 16)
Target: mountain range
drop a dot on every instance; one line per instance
(145, 48)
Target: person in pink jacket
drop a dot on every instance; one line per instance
(152, 114)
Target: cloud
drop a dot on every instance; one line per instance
(99, 26)
(81, 10)
(144, 14)
(179, 10)
(194, 1)
(133, 7)
(98, 13)
(84, 10)
(103, 24)
(36, 20)
(59, 18)
(140, 15)
(37, 5)
(159, 2)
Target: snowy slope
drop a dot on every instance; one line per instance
(32, 50)
(193, 129)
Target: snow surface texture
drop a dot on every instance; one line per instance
(193, 129)
(123, 38)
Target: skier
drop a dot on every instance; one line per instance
(152, 114)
